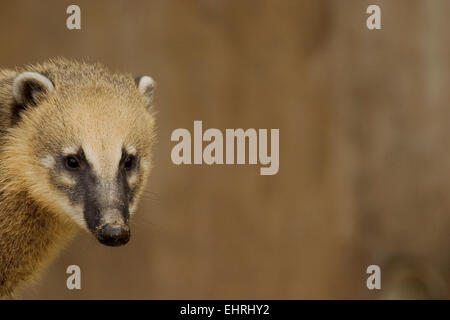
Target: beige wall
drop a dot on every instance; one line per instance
(363, 143)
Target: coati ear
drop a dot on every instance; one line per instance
(146, 86)
(29, 86)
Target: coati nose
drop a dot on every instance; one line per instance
(113, 235)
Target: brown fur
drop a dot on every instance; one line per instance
(90, 106)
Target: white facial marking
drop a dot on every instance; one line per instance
(130, 149)
(66, 180)
(48, 161)
(70, 150)
(104, 161)
(132, 179)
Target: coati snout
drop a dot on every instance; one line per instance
(113, 231)
(113, 235)
(104, 192)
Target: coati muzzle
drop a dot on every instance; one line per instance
(106, 208)
(113, 235)
(112, 229)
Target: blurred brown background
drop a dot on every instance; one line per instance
(364, 145)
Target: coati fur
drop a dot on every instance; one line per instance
(75, 152)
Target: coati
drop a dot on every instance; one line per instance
(75, 152)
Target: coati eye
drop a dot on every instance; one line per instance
(129, 162)
(72, 163)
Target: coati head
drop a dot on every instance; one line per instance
(80, 143)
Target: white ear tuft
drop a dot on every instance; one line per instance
(146, 86)
(146, 83)
(28, 85)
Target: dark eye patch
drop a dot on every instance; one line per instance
(74, 162)
(78, 168)
(128, 161)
